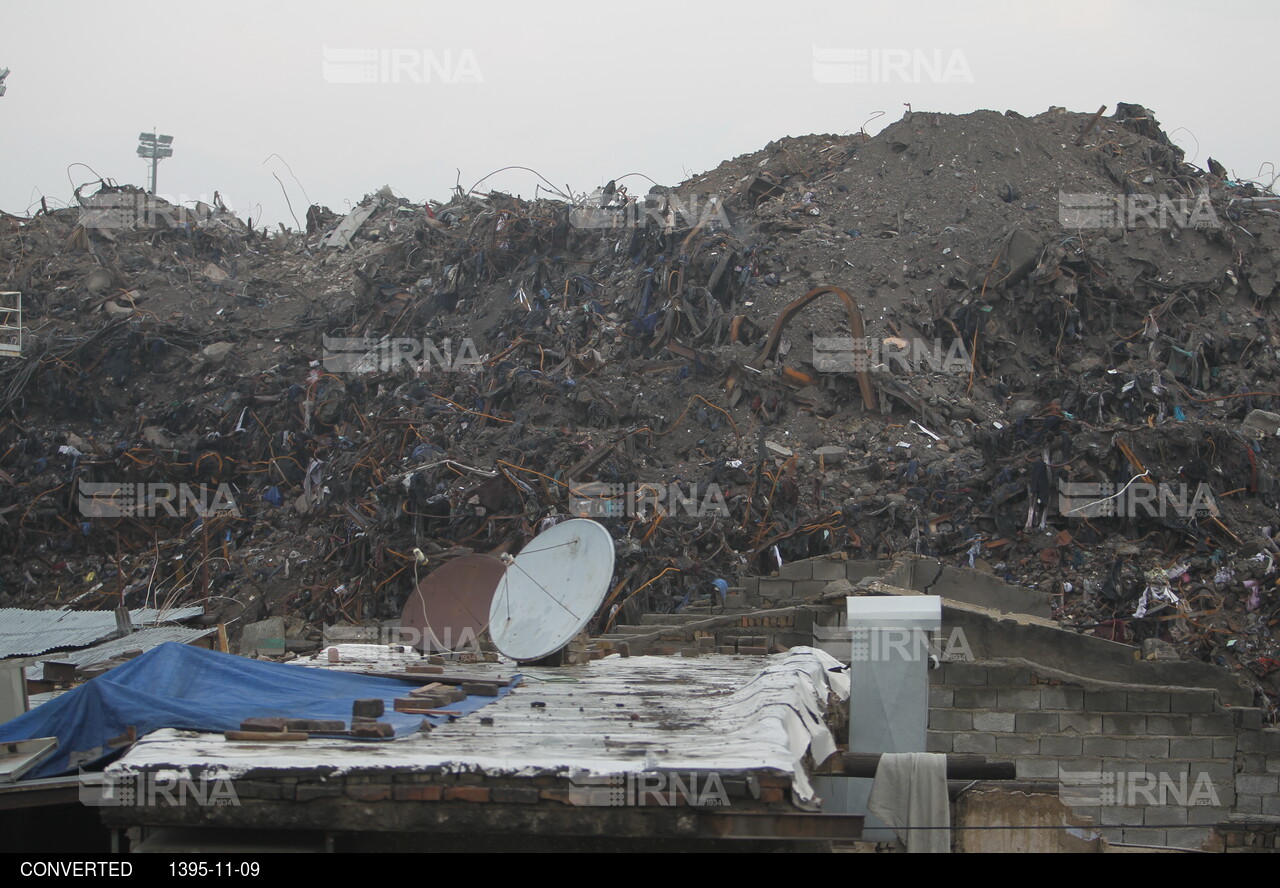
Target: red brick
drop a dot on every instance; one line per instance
(466, 794)
(370, 793)
(770, 795)
(419, 793)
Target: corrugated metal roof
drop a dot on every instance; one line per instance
(28, 633)
(142, 640)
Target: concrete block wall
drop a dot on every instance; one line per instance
(1164, 755)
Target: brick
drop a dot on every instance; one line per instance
(1037, 722)
(1269, 740)
(1256, 784)
(829, 570)
(371, 707)
(753, 651)
(1147, 748)
(1217, 772)
(771, 795)
(305, 792)
(369, 793)
(938, 742)
(951, 720)
(466, 793)
(377, 730)
(1107, 746)
(1192, 701)
(797, 570)
(1002, 722)
(1215, 723)
(1061, 746)
(419, 793)
(514, 795)
(975, 698)
(1147, 701)
(1106, 701)
(315, 725)
(1273, 763)
(941, 698)
(258, 789)
(265, 724)
(979, 743)
(1190, 747)
(1018, 699)
(1016, 746)
(1061, 698)
(1224, 747)
(1124, 724)
(1079, 722)
(1271, 805)
(1207, 814)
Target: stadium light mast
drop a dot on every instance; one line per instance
(154, 148)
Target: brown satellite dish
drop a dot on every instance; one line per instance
(450, 607)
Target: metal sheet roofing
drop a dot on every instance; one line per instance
(28, 633)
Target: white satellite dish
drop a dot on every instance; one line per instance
(551, 590)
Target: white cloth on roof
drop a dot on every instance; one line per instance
(911, 792)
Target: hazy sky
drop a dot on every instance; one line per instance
(582, 92)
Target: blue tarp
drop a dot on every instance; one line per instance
(179, 686)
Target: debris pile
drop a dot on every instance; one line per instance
(1059, 366)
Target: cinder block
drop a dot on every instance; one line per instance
(975, 698)
(1256, 784)
(1079, 722)
(1058, 697)
(1218, 723)
(1271, 805)
(1148, 701)
(1105, 746)
(1207, 814)
(936, 741)
(1002, 722)
(1171, 725)
(1164, 815)
(807, 589)
(1017, 746)
(1245, 803)
(1269, 740)
(967, 674)
(797, 570)
(1037, 722)
(1124, 724)
(1190, 747)
(1191, 839)
(1246, 718)
(941, 698)
(1105, 701)
(975, 743)
(951, 720)
(1144, 837)
(1216, 772)
(1008, 676)
(1147, 748)
(1224, 747)
(1060, 746)
(1028, 699)
(1192, 701)
(1120, 815)
(1037, 768)
(1273, 763)
(774, 588)
(829, 570)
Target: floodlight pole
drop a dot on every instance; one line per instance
(154, 147)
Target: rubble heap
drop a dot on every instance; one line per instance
(1100, 319)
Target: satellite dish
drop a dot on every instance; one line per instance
(450, 607)
(552, 590)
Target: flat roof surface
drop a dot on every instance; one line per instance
(617, 715)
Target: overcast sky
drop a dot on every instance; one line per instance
(580, 91)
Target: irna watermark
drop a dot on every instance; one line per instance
(1130, 211)
(1138, 499)
(847, 65)
(599, 499)
(127, 499)
(400, 65)
(363, 354)
(665, 789)
(147, 789)
(901, 643)
(847, 354)
(668, 211)
(1091, 789)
